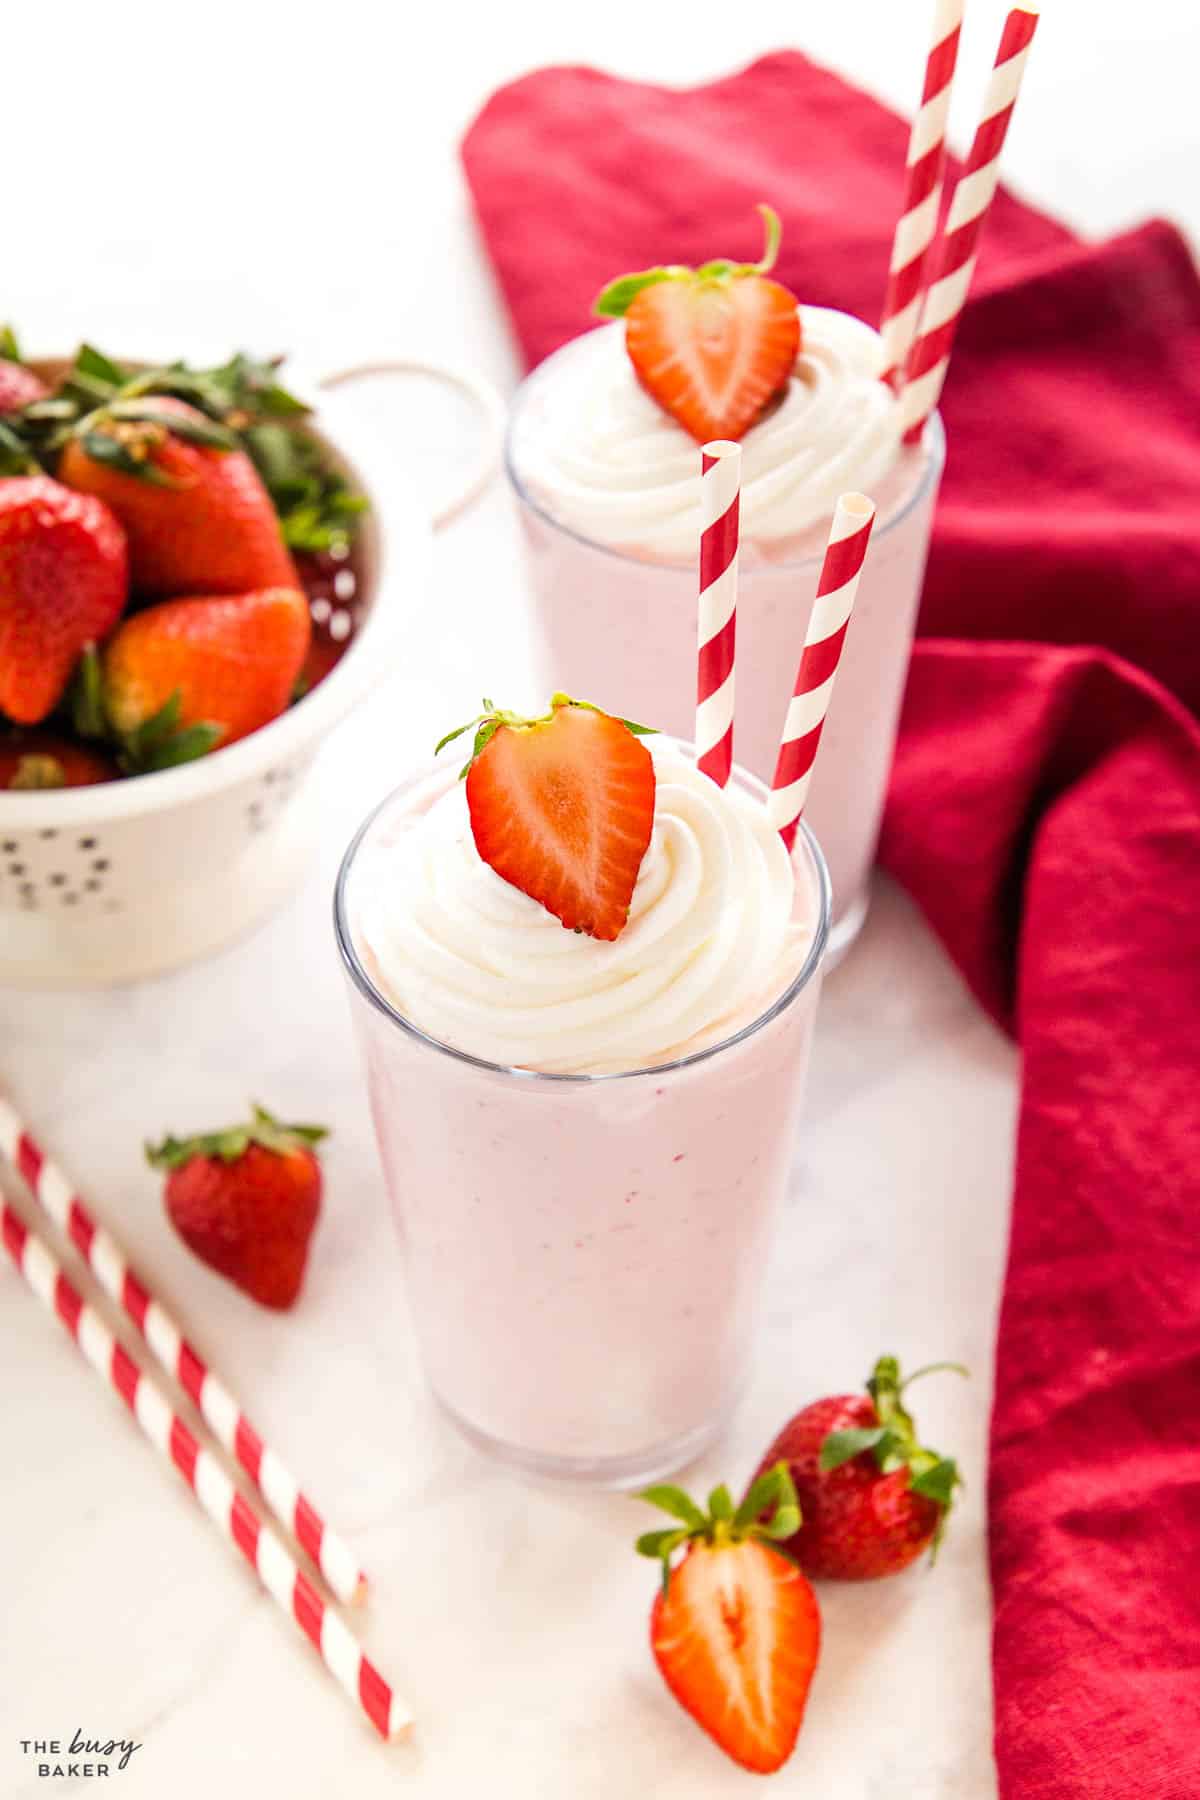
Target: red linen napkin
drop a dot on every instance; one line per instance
(1044, 811)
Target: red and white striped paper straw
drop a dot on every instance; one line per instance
(953, 262)
(923, 169)
(216, 1405)
(720, 491)
(836, 588)
(229, 1510)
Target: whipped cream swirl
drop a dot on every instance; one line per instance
(602, 457)
(715, 934)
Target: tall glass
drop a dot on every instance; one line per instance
(584, 1254)
(619, 628)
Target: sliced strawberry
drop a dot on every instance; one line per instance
(736, 1629)
(562, 807)
(712, 345)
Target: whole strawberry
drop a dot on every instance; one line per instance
(198, 518)
(64, 577)
(735, 1628)
(188, 675)
(871, 1497)
(246, 1201)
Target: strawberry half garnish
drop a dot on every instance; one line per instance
(736, 1629)
(712, 345)
(562, 807)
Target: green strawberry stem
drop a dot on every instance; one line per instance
(935, 1368)
(161, 742)
(124, 433)
(228, 1145)
(770, 255)
(614, 301)
(86, 696)
(893, 1442)
(769, 1512)
(16, 458)
(487, 723)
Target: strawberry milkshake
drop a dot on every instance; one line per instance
(603, 456)
(586, 1132)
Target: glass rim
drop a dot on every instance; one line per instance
(933, 440)
(362, 981)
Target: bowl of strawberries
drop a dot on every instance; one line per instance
(192, 595)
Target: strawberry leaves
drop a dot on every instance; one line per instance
(242, 405)
(770, 1512)
(485, 726)
(241, 392)
(160, 742)
(487, 723)
(317, 507)
(673, 1500)
(770, 1508)
(92, 365)
(938, 1482)
(229, 1145)
(236, 393)
(614, 301)
(124, 435)
(163, 743)
(15, 456)
(192, 428)
(893, 1443)
(86, 696)
(843, 1446)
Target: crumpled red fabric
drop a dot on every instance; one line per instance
(1044, 812)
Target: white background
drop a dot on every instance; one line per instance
(275, 176)
(288, 174)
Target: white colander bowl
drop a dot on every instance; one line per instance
(131, 878)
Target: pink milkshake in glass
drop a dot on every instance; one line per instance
(586, 1143)
(607, 485)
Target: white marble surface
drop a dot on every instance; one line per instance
(514, 1618)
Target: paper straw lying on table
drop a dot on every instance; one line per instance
(923, 169)
(216, 1405)
(234, 1517)
(953, 262)
(837, 585)
(720, 491)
